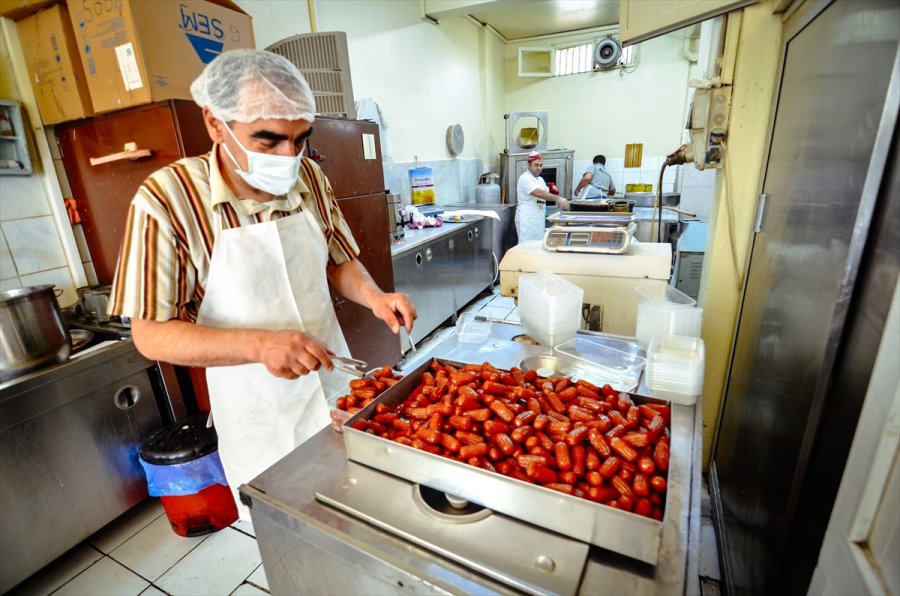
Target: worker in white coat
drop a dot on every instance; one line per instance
(532, 195)
(226, 263)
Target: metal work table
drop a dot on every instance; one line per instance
(419, 237)
(310, 547)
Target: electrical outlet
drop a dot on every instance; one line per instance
(709, 125)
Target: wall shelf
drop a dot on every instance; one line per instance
(14, 157)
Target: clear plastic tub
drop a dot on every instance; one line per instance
(471, 329)
(591, 360)
(663, 292)
(663, 310)
(675, 365)
(549, 307)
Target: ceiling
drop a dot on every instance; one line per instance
(522, 19)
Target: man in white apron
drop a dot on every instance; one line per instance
(227, 259)
(532, 196)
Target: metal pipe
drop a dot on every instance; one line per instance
(311, 11)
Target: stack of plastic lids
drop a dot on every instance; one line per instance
(674, 369)
(663, 310)
(549, 307)
(595, 361)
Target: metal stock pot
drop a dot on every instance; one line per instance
(32, 331)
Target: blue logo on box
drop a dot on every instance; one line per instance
(205, 34)
(206, 49)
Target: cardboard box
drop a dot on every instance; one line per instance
(135, 52)
(54, 66)
(19, 9)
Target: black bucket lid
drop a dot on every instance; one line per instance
(181, 442)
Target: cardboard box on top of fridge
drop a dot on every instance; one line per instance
(54, 67)
(135, 52)
(19, 9)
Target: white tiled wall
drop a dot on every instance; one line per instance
(648, 173)
(698, 190)
(454, 179)
(31, 251)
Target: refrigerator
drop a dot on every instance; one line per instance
(349, 152)
(823, 267)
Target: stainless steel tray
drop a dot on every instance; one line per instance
(622, 532)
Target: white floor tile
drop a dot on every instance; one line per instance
(709, 556)
(59, 571)
(153, 550)
(495, 312)
(244, 526)
(127, 525)
(218, 566)
(248, 590)
(105, 577)
(153, 591)
(503, 301)
(258, 578)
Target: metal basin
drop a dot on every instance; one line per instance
(544, 365)
(34, 334)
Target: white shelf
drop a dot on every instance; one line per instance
(14, 148)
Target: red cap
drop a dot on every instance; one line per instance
(533, 156)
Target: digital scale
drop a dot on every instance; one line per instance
(590, 232)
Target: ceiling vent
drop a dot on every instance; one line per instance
(324, 61)
(607, 53)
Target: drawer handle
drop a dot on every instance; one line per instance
(418, 259)
(127, 396)
(471, 235)
(129, 151)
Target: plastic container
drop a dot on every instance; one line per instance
(675, 367)
(183, 469)
(471, 329)
(663, 310)
(338, 417)
(591, 360)
(549, 308)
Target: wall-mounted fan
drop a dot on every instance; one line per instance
(607, 53)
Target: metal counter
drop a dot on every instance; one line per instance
(69, 441)
(414, 239)
(310, 547)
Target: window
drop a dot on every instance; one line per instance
(575, 59)
(580, 58)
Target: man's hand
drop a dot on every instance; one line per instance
(395, 309)
(292, 354)
(563, 203)
(286, 354)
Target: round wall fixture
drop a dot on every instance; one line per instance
(607, 52)
(455, 139)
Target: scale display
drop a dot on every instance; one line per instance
(591, 239)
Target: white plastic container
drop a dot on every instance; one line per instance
(663, 310)
(590, 360)
(549, 308)
(472, 330)
(675, 367)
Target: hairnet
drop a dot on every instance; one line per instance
(248, 85)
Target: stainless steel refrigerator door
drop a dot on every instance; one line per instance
(833, 126)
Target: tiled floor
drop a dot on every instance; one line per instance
(140, 554)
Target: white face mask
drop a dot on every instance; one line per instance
(274, 174)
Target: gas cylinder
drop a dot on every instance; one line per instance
(487, 191)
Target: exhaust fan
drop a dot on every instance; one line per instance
(607, 53)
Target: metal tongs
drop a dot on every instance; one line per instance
(357, 368)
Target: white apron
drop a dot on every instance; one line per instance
(530, 218)
(271, 276)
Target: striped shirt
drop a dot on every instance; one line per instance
(172, 226)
